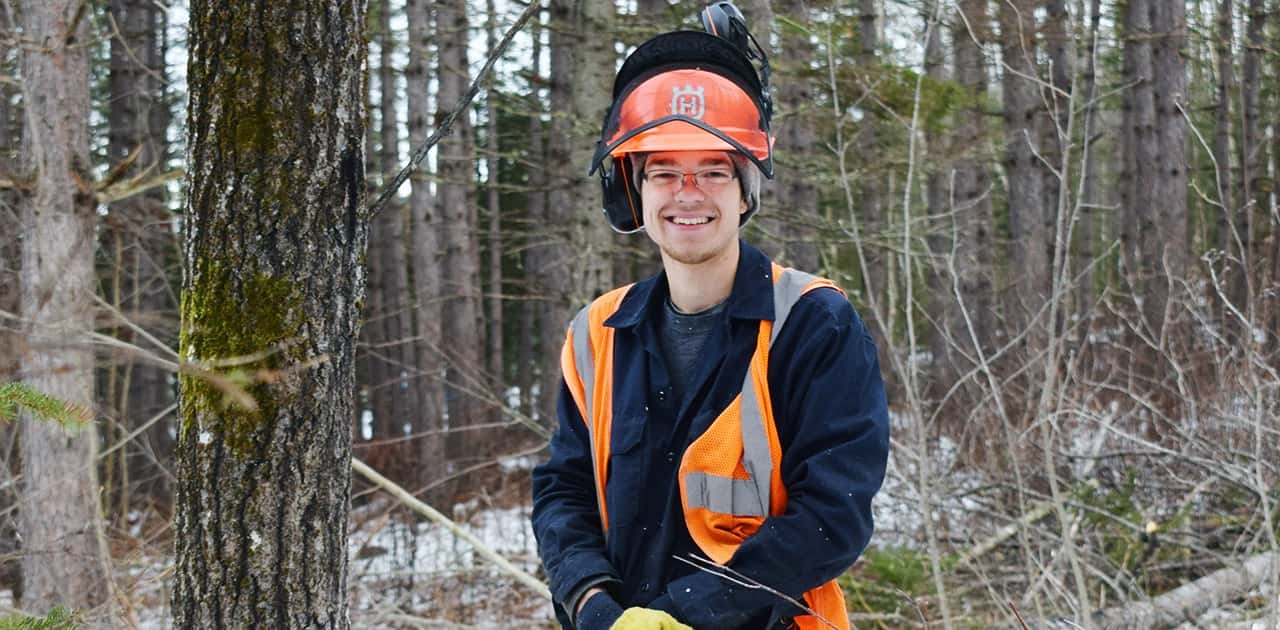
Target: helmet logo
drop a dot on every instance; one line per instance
(688, 101)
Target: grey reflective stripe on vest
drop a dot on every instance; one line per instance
(585, 362)
(786, 293)
(583, 359)
(750, 497)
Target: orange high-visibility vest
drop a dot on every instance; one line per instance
(729, 476)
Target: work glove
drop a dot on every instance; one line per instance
(647, 619)
(598, 613)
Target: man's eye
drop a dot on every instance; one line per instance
(716, 177)
(663, 177)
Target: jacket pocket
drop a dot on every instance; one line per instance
(627, 470)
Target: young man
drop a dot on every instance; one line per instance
(722, 425)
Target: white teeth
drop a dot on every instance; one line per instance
(691, 220)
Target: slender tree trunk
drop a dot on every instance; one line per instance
(59, 513)
(10, 288)
(941, 222)
(1168, 250)
(1022, 110)
(497, 361)
(538, 351)
(971, 193)
(461, 262)
(1222, 154)
(388, 239)
(1138, 145)
(428, 421)
(139, 230)
(579, 244)
(1087, 233)
(1058, 99)
(870, 154)
(796, 128)
(1253, 154)
(276, 235)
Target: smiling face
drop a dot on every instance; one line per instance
(691, 225)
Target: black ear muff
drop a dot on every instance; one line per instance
(621, 199)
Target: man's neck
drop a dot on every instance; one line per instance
(696, 288)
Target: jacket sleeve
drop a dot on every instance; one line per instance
(566, 518)
(833, 422)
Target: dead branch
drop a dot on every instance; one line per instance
(426, 510)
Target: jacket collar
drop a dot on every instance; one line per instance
(751, 297)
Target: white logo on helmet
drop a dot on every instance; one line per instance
(688, 101)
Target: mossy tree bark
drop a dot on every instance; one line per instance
(273, 280)
(59, 506)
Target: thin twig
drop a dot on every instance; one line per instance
(446, 127)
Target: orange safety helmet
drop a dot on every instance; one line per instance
(685, 91)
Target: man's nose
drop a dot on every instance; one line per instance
(688, 181)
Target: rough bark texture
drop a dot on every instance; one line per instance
(140, 247)
(276, 237)
(797, 218)
(1022, 108)
(464, 348)
(59, 506)
(427, 383)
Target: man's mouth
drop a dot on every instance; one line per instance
(689, 220)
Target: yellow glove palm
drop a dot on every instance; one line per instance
(647, 619)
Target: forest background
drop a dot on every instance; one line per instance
(1058, 218)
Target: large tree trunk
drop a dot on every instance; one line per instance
(140, 246)
(59, 511)
(428, 420)
(276, 234)
(461, 265)
(797, 220)
(1029, 262)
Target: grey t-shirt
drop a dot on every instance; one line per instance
(682, 338)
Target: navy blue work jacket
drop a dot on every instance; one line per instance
(830, 410)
